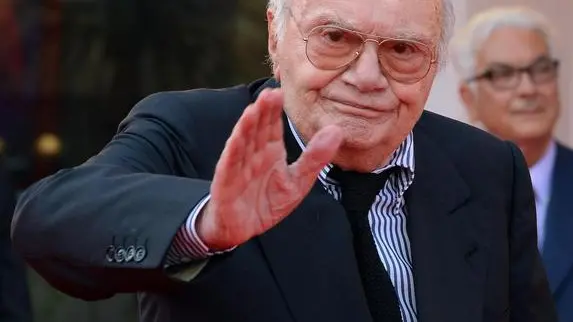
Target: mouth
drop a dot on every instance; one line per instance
(357, 109)
(527, 107)
(528, 111)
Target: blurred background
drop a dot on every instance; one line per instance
(70, 70)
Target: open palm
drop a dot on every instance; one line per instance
(254, 188)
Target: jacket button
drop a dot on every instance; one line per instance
(129, 253)
(140, 254)
(120, 255)
(110, 254)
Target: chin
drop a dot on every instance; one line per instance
(360, 133)
(361, 141)
(533, 136)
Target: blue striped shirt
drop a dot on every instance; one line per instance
(387, 218)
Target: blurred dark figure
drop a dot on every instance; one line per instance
(174, 45)
(11, 76)
(18, 88)
(113, 53)
(14, 298)
(10, 51)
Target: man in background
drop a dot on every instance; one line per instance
(510, 88)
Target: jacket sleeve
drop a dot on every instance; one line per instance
(531, 299)
(106, 226)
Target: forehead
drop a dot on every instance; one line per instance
(387, 18)
(512, 46)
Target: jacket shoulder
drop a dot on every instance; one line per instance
(194, 107)
(195, 122)
(565, 151)
(459, 138)
(482, 159)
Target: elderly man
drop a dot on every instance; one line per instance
(352, 205)
(510, 88)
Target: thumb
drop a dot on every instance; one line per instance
(320, 151)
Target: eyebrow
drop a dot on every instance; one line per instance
(541, 58)
(328, 18)
(408, 34)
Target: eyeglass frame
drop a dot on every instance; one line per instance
(518, 72)
(379, 40)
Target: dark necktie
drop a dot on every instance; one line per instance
(359, 191)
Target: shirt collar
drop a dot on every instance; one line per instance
(542, 172)
(402, 157)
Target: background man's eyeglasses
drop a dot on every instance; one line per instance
(505, 77)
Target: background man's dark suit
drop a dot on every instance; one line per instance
(558, 247)
(470, 211)
(14, 300)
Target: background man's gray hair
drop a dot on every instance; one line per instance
(447, 20)
(468, 41)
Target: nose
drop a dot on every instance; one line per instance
(526, 85)
(365, 73)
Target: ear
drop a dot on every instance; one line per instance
(272, 44)
(468, 97)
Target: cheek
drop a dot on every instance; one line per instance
(307, 78)
(492, 105)
(302, 86)
(315, 80)
(494, 119)
(412, 97)
(306, 83)
(494, 113)
(298, 74)
(550, 96)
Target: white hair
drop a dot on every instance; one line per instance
(468, 41)
(279, 7)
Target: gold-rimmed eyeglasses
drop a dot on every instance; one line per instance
(331, 47)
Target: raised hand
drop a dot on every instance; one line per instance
(254, 188)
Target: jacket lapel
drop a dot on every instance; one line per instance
(312, 259)
(558, 246)
(311, 255)
(448, 260)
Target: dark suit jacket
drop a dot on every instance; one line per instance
(471, 223)
(14, 300)
(557, 250)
